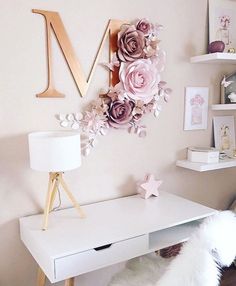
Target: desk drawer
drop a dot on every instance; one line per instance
(78, 263)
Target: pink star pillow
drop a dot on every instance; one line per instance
(149, 187)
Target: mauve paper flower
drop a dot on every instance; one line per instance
(120, 113)
(144, 26)
(140, 79)
(131, 43)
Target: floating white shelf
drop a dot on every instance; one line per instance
(215, 58)
(223, 106)
(202, 167)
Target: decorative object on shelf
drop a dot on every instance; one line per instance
(228, 89)
(232, 50)
(196, 108)
(55, 152)
(224, 134)
(216, 47)
(149, 187)
(232, 96)
(203, 154)
(222, 22)
(138, 63)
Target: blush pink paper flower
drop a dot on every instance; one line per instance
(130, 44)
(139, 79)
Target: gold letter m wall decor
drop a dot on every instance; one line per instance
(55, 24)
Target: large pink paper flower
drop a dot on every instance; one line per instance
(131, 43)
(139, 79)
(120, 113)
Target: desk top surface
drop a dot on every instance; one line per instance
(109, 221)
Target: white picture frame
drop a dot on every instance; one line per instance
(224, 133)
(222, 22)
(196, 108)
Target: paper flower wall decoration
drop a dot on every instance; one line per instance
(138, 63)
(149, 187)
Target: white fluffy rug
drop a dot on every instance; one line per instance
(213, 245)
(144, 270)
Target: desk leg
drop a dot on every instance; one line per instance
(70, 282)
(41, 278)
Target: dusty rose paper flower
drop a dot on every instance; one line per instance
(139, 79)
(144, 26)
(130, 44)
(120, 113)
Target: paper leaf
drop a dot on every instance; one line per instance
(166, 97)
(94, 143)
(156, 113)
(70, 117)
(75, 125)
(78, 116)
(161, 92)
(62, 116)
(103, 131)
(86, 151)
(64, 123)
(142, 133)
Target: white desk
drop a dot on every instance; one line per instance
(127, 227)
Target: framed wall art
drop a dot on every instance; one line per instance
(196, 108)
(228, 89)
(224, 133)
(222, 22)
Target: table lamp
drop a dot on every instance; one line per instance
(55, 152)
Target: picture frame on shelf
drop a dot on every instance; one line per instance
(222, 23)
(196, 108)
(228, 89)
(224, 134)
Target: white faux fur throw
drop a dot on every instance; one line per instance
(212, 246)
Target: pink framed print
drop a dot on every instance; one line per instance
(196, 108)
(224, 133)
(222, 23)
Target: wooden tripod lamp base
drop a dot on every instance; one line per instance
(55, 152)
(55, 181)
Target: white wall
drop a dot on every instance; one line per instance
(120, 159)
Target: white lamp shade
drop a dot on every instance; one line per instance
(54, 151)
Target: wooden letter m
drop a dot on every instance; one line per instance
(55, 24)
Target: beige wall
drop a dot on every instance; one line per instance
(120, 159)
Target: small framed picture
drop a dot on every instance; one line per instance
(224, 133)
(222, 23)
(196, 108)
(228, 89)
